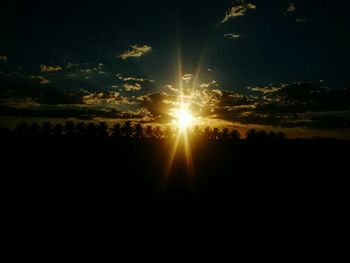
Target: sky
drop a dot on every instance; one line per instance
(275, 64)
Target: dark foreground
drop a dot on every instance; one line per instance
(62, 192)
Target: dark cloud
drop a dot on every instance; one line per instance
(299, 104)
(40, 79)
(12, 91)
(79, 112)
(158, 104)
(289, 105)
(107, 98)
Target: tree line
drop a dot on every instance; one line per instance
(128, 130)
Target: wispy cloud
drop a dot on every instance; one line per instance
(210, 84)
(106, 99)
(187, 77)
(133, 79)
(49, 68)
(3, 58)
(135, 52)
(238, 10)
(84, 70)
(41, 79)
(232, 36)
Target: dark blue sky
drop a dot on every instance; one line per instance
(251, 63)
(274, 46)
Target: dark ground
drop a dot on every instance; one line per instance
(62, 192)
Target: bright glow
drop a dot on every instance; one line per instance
(184, 118)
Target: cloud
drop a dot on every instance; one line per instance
(158, 104)
(132, 87)
(291, 8)
(67, 111)
(171, 87)
(210, 84)
(266, 90)
(133, 79)
(3, 58)
(84, 70)
(19, 103)
(135, 51)
(237, 11)
(187, 77)
(13, 91)
(41, 79)
(106, 98)
(45, 68)
(135, 83)
(232, 36)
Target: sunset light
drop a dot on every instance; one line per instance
(184, 118)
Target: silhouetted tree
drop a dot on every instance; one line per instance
(261, 135)
(34, 129)
(102, 129)
(58, 130)
(91, 130)
(46, 129)
(215, 134)
(251, 135)
(138, 129)
(81, 129)
(207, 133)
(235, 135)
(224, 135)
(281, 136)
(4, 131)
(149, 131)
(127, 130)
(196, 132)
(168, 132)
(272, 136)
(158, 133)
(70, 128)
(116, 130)
(22, 129)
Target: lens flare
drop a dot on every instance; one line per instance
(184, 118)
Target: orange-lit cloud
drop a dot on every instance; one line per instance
(133, 79)
(237, 11)
(135, 52)
(187, 77)
(132, 87)
(48, 68)
(106, 98)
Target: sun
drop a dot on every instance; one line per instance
(184, 118)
